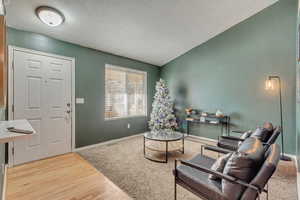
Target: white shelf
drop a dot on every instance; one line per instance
(7, 136)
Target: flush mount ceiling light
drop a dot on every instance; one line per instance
(50, 16)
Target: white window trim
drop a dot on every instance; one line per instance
(145, 89)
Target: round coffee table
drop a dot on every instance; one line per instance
(163, 142)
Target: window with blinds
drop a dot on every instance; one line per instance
(125, 92)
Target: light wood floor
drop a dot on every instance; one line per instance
(65, 177)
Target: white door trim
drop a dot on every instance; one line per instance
(11, 50)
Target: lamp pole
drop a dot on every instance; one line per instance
(282, 157)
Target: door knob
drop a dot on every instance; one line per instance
(68, 111)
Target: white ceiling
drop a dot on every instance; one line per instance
(153, 31)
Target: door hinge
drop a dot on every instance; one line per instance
(13, 108)
(13, 64)
(13, 151)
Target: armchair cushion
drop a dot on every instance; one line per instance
(252, 146)
(199, 181)
(219, 165)
(242, 165)
(272, 157)
(263, 134)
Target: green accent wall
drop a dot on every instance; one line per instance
(229, 71)
(90, 65)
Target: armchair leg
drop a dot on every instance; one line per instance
(175, 185)
(267, 191)
(175, 191)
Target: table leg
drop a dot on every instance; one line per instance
(222, 127)
(144, 148)
(166, 151)
(228, 126)
(188, 128)
(183, 145)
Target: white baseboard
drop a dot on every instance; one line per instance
(4, 183)
(294, 157)
(133, 136)
(107, 142)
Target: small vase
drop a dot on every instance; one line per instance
(219, 113)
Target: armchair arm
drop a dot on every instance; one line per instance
(215, 149)
(232, 138)
(238, 131)
(209, 171)
(222, 176)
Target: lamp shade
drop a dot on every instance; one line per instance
(269, 84)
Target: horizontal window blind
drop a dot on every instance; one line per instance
(125, 92)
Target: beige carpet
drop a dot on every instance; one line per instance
(125, 165)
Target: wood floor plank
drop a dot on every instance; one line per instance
(65, 177)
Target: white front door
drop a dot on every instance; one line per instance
(42, 95)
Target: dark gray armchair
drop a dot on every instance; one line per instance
(228, 144)
(193, 175)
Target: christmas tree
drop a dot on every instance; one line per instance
(162, 116)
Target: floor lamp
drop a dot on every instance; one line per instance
(270, 86)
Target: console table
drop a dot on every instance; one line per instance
(211, 119)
